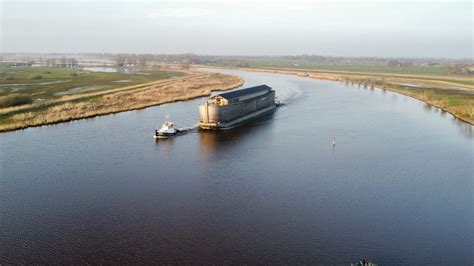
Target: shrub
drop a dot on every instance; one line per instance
(36, 76)
(14, 100)
(429, 94)
(9, 78)
(73, 75)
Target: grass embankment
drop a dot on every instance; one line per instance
(453, 94)
(15, 100)
(337, 64)
(101, 102)
(53, 83)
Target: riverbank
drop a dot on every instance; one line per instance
(452, 94)
(88, 105)
(106, 180)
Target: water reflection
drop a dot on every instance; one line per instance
(164, 145)
(427, 107)
(101, 69)
(256, 194)
(212, 143)
(464, 128)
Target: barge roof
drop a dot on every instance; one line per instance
(239, 93)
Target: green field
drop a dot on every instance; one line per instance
(89, 94)
(459, 103)
(431, 84)
(371, 67)
(53, 83)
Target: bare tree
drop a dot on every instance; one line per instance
(72, 62)
(185, 64)
(63, 61)
(132, 60)
(120, 60)
(51, 62)
(142, 60)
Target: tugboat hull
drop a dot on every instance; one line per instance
(163, 135)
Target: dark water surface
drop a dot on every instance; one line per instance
(398, 187)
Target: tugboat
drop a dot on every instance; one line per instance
(167, 130)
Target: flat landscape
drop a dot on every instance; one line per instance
(208, 132)
(55, 82)
(438, 85)
(274, 191)
(33, 96)
(451, 94)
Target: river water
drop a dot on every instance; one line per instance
(396, 189)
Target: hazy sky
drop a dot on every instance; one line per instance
(240, 27)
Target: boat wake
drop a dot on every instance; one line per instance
(288, 93)
(188, 129)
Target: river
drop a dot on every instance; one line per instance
(396, 189)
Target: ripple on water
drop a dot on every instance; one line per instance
(397, 188)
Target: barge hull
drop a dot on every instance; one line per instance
(238, 121)
(214, 116)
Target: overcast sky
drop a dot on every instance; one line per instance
(240, 27)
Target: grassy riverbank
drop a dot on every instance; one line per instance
(53, 83)
(107, 100)
(451, 93)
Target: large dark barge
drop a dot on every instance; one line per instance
(236, 107)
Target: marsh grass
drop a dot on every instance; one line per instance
(119, 100)
(48, 82)
(452, 94)
(14, 100)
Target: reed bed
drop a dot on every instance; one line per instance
(455, 97)
(119, 100)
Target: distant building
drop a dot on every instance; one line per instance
(397, 63)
